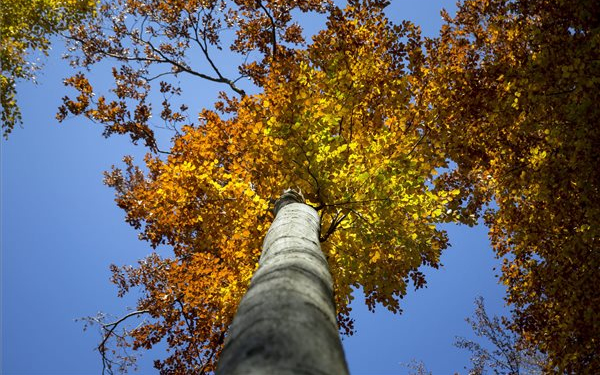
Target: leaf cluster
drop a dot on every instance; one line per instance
(157, 43)
(516, 85)
(26, 27)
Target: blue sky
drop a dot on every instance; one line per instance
(61, 230)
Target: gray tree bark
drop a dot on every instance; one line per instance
(286, 323)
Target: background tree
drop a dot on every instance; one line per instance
(417, 368)
(338, 120)
(26, 27)
(515, 87)
(508, 355)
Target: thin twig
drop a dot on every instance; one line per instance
(273, 28)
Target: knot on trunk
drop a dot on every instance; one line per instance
(288, 196)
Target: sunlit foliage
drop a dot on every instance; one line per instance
(503, 104)
(26, 27)
(337, 120)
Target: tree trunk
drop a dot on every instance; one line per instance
(286, 323)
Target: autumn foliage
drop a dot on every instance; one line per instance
(359, 156)
(516, 87)
(26, 29)
(385, 133)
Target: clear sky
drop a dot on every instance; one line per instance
(61, 230)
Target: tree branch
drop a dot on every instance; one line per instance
(106, 363)
(204, 48)
(273, 28)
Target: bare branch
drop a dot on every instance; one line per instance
(109, 329)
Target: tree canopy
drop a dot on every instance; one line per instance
(516, 85)
(386, 133)
(335, 120)
(26, 28)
